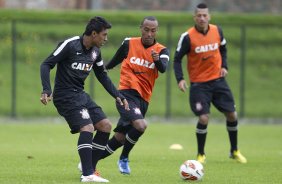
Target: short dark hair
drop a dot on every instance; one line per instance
(202, 6)
(151, 18)
(97, 24)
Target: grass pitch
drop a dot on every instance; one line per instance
(33, 152)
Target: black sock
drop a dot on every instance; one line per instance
(112, 146)
(84, 147)
(99, 143)
(233, 134)
(201, 134)
(130, 140)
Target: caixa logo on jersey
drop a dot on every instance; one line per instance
(142, 62)
(206, 48)
(81, 66)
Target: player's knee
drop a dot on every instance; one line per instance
(104, 125)
(231, 116)
(107, 126)
(120, 137)
(204, 119)
(142, 128)
(87, 128)
(140, 125)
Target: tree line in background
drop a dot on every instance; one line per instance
(27, 38)
(234, 6)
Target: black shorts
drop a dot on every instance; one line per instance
(216, 92)
(79, 110)
(138, 108)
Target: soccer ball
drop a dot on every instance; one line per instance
(191, 170)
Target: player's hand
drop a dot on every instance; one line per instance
(155, 55)
(223, 72)
(45, 98)
(124, 103)
(182, 85)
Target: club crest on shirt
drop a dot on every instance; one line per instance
(84, 114)
(199, 106)
(137, 110)
(94, 55)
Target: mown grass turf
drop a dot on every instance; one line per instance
(36, 152)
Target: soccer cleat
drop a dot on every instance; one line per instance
(123, 166)
(97, 173)
(236, 155)
(79, 167)
(201, 158)
(93, 178)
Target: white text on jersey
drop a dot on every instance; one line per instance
(206, 48)
(81, 66)
(142, 62)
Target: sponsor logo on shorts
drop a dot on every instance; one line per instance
(199, 106)
(137, 110)
(84, 114)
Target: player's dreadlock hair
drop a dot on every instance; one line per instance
(97, 24)
(151, 18)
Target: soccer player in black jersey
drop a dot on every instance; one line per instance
(75, 58)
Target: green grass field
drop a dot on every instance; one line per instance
(45, 152)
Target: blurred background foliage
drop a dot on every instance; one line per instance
(38, 32)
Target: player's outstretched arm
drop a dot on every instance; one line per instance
(110, 88)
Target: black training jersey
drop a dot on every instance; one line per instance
(74, 63)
